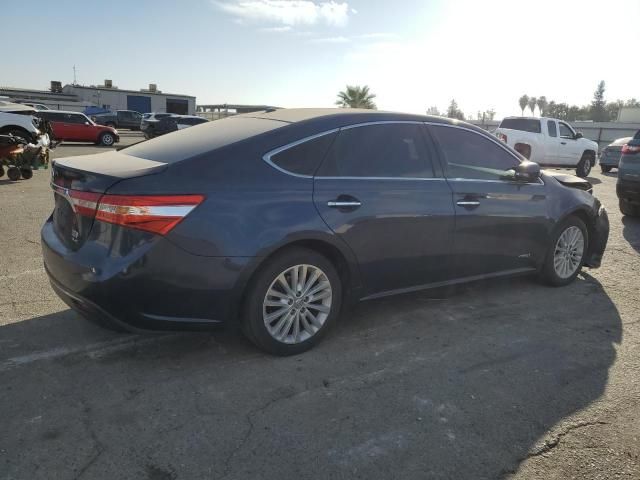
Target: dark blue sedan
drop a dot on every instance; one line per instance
(276, 219)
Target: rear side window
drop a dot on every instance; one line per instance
(523, 124)
(382, 151)
(471, 155)
(304, 158)
(553, 130)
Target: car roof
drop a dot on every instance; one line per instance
(293, 115)
(621, 141)
(64, 111)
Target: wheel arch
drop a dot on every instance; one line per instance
(12, 128)
(586, 217)
(523, 149)
(339, 256)
(590, 153)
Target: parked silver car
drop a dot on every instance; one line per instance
(610, 156)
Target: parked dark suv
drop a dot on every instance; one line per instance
(278, 218)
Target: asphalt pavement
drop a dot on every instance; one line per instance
(497, 379)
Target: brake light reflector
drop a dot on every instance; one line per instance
(630, 149)
(152, 213)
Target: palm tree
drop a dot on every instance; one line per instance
(542, 105)
(532, 105)
(524, 101)
(356, 97)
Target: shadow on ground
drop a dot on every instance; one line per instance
(457, 384)
(631, 231)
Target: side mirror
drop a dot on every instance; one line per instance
(578, 135)
(87, 123)
(527, 171)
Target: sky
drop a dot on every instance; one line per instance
(413, 54)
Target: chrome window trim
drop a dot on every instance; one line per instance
(382, 178)
(491, 139)
(267, 156)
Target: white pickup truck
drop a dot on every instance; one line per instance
(549, 142)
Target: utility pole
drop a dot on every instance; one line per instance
(74, 75)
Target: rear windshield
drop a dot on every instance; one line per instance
(524, 124)
(200, 139)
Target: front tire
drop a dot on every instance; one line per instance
(13, 173)
(292, 302)
(566, 253)
(107, 139)
(605, 168)
(584, 166)
(629, 209)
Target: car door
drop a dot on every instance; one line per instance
(568, 148)
(552, 144)
(376, 189)
(75, 128)
(501, 224)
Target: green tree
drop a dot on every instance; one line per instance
(612, 109)
(598, 104)
(524, 101)
(532, 105)
(454, 112)
(356, 97)
(433, 111)
(542, 105)
(632, 102)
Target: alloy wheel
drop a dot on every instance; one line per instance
(568, 253)
(297, 304)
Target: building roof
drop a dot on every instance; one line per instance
(138, 92)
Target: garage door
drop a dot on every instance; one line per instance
(178, 106)
(139, 103)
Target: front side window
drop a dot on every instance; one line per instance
(74, 118)
(471, 155)
(380, 151)
(565, 131)
(553, 131)
(304, 158)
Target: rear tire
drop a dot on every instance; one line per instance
(605, 168)
(629, 209)
(1, 171)
(304, 321)
(565, 253)
(107, 139)
(26, 173)
(584, 166)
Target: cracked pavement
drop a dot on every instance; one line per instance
(502, 379)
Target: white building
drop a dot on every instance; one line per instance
(144, 101)
(78, 98)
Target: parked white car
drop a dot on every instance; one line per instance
(549, 142)
(18, 120)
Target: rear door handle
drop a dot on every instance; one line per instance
(563, 143)
(467, 203)
(343, 204)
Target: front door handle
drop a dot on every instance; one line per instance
(467, 203)
(563, 143)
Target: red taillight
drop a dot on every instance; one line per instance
(151, 213)
(630, 149)
(156, 214)
(502, 137)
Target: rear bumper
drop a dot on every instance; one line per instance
(598, 240)
(628, 190)
(155, 286)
